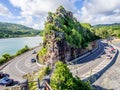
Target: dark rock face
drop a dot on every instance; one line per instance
(49, 19)
(59, 49)
(57, 23)
(56, 47)
(61, 10)
(70, 14)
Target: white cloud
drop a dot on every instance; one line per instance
(34, 12)
(101, 6)
(4, 11)
(39, 9)
(99, 11)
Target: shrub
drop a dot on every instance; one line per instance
(6, 57)
(26, 48)
(42, 54)
(62, 79)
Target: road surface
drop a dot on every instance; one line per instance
(88, 63)
(22, 65)
(110, 80)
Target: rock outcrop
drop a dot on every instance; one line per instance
(64, 37)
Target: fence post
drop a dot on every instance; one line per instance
(27, 88)
(24, 85)
(38, 82)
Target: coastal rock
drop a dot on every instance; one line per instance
(49, 18)
(57, 23)
(61, 10)
(70, 14)
(62, 38)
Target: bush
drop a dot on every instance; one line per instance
(26, 48)
(6, 57)
(62, 79)
(42, 73)
(42, 54)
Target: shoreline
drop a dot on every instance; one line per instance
(31, 42)
(22, 37)
(31, 48)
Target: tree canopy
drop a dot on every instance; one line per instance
(107, 30)
(62, 79)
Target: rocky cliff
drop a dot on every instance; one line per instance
(64, 37)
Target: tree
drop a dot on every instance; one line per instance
(62, 79)
(7, 56)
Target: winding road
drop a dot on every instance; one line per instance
(22, 65)
(91, 61)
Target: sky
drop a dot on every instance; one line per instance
(33, 13)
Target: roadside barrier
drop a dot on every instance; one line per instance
(86, 54)
(96, 75)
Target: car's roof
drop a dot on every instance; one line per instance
(4, 78)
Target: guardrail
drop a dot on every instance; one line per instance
(88, 53)
(25, 85)
(94, 77)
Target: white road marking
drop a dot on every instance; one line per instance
(16, 65)
(86, 63)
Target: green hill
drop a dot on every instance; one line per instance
(16, 30)
(107, 30)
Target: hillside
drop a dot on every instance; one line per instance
(16, 30)
(64, 37)
(101, 25)
(107, 30)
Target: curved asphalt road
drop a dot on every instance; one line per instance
(93, 55)
(21, 65)
(89, 62)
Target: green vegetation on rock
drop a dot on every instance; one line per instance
(42, 54)
(62, 79)
(64, 34)
(63, 21)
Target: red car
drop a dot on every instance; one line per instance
(108, 56)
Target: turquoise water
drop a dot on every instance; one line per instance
(12, 45)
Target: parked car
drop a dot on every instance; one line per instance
(33, 60)
(6, 81)
(108, 56)
(34, 52)
(112, 48)
(3, 75)
(112, 51)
